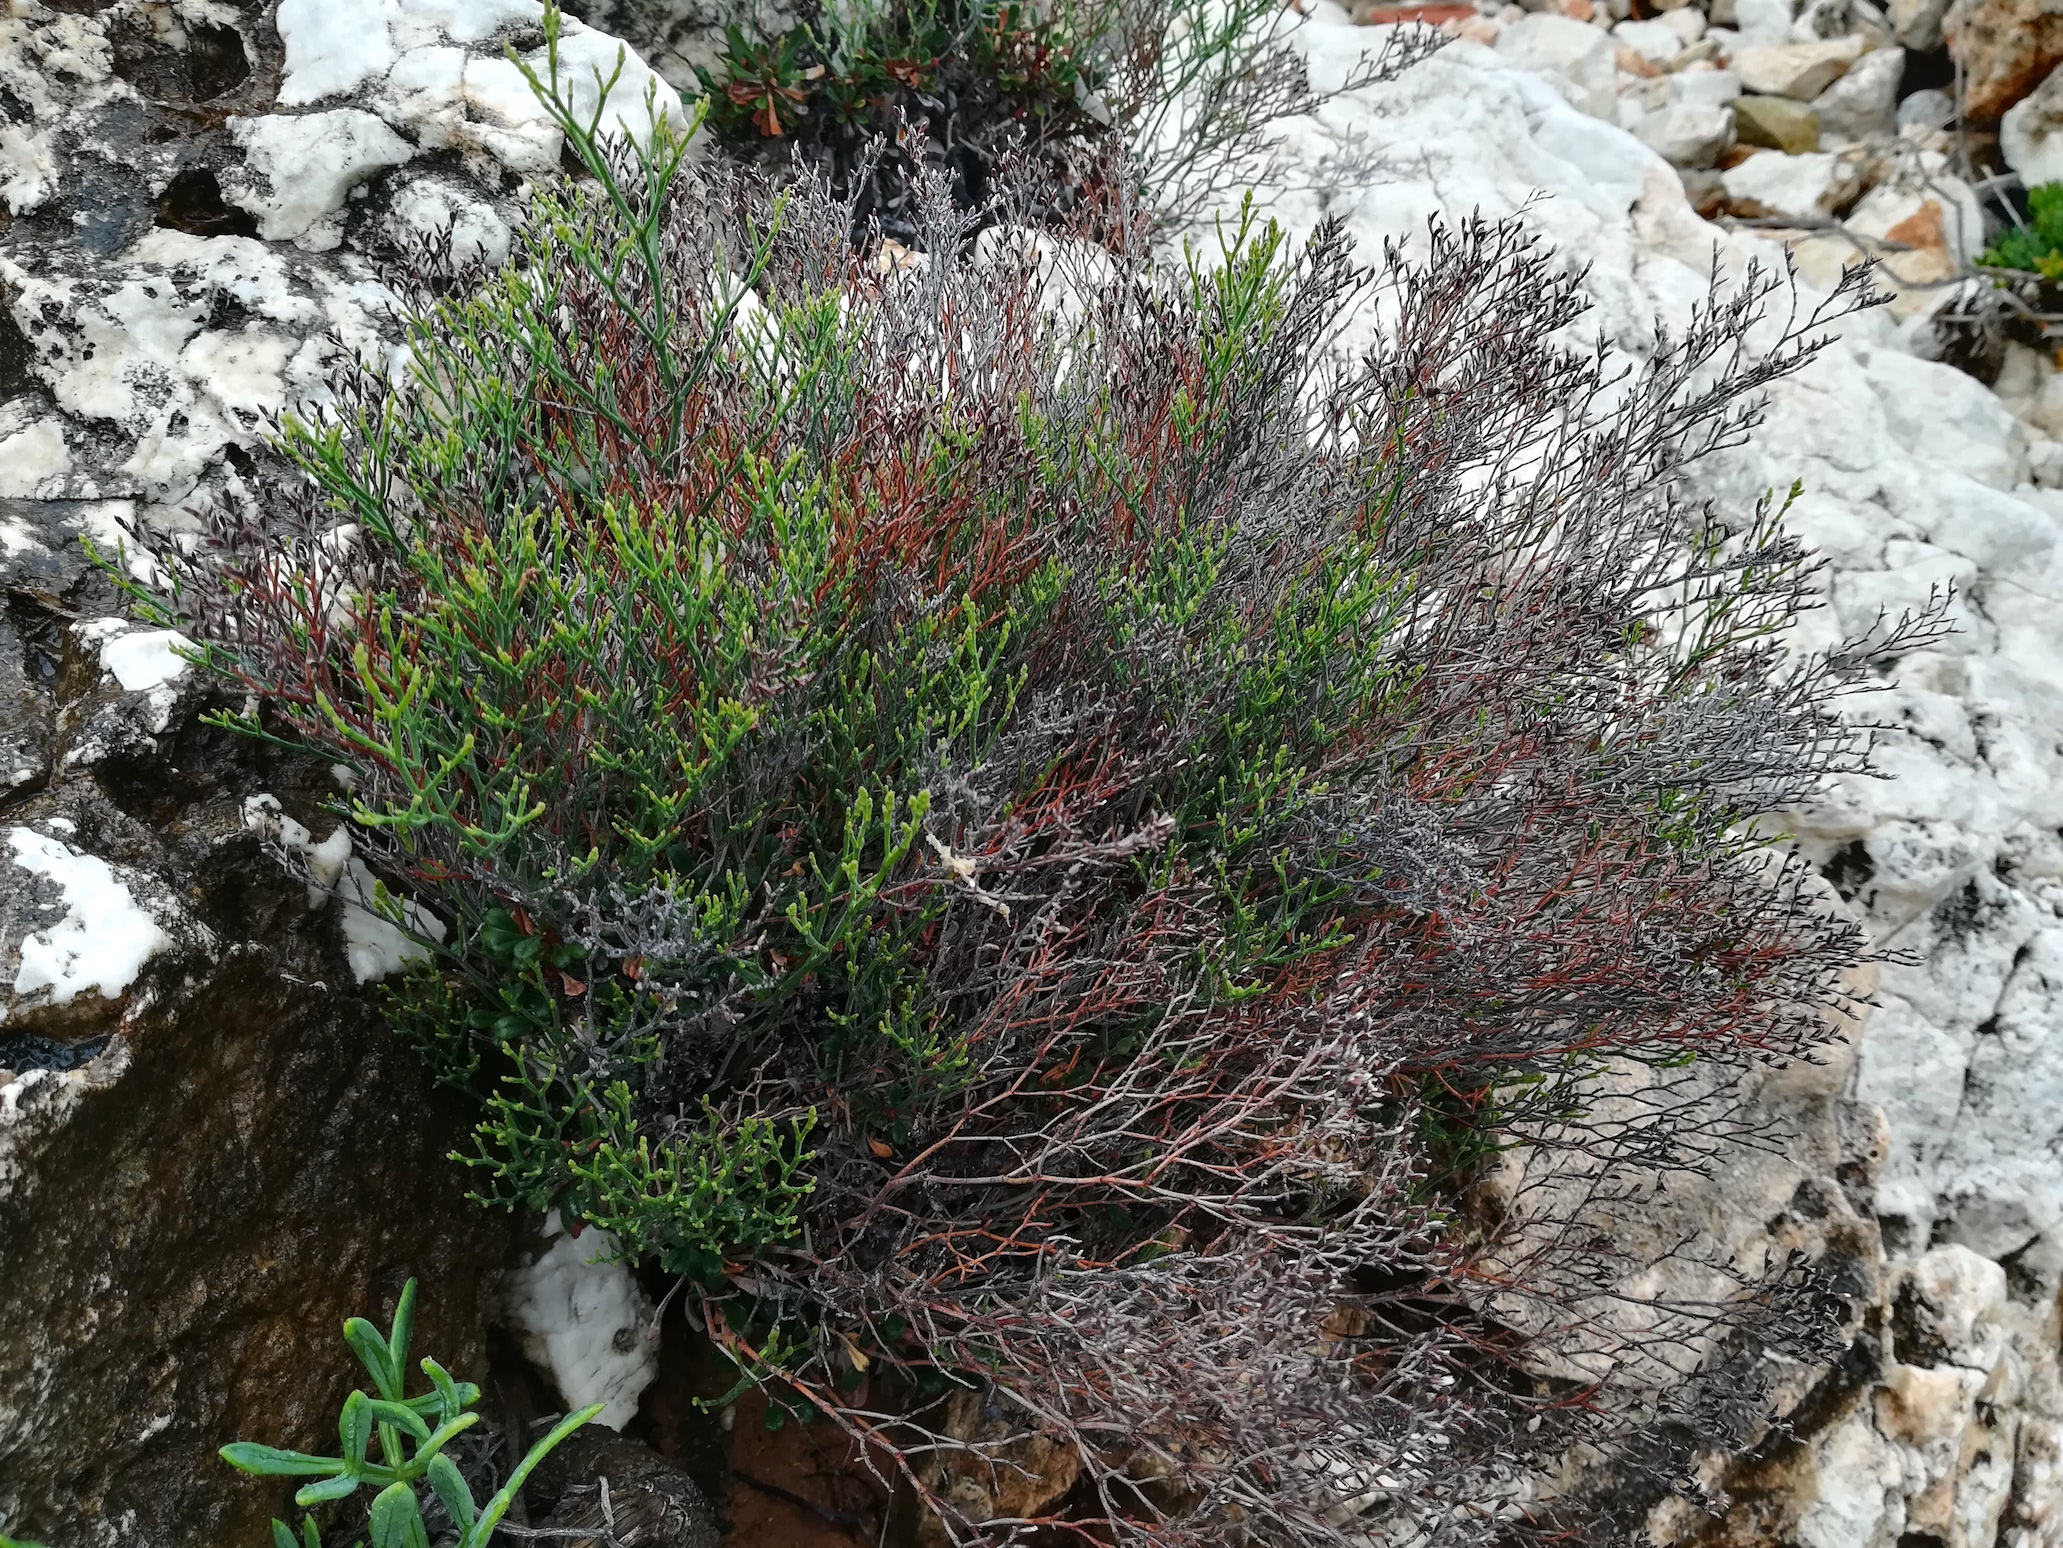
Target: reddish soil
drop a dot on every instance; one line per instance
(796, 1487)
(812, 1463)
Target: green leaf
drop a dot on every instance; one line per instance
(354, 1428)
(401, 1414)
(397, 1341)
(452, 1490)
(271, 1462)
(371, 1349)
(483, 1528)
(282, 1537)
(442, 1403)
(448, 1402)
(437, 1442)
(340, 1487)
(397, 1521)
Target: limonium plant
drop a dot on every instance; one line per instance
(1032, 817)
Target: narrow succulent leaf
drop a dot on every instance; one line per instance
(453, 1491)
(490, 1517)
(354, 1428)
(397, 1341)
(464, 1394)
(445, 1390)
(440, 1439)
(371, 1349)
(337, 1488)
(397, 1520)
(271, 1462)
(402, 1415)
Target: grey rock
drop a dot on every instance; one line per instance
(1918, 22)
(1864, 102)
(1820, 20)
(650, 1502)
(1687, 136)
(1924, 110)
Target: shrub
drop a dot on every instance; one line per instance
(430, 1422)
(2037, 247)
(1025, 822)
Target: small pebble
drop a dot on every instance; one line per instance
(1924, 110)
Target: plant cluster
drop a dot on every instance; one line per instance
(430, 1422)
(846, 67)
(1025, 820)
(868, 88)
(2037, 246)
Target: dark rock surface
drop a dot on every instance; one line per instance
(212, 1152)
(203, 1174)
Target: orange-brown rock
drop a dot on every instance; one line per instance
(2006, 49)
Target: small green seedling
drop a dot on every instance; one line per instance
(430, 1421)
(2036, 247)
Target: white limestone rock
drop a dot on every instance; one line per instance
(582, 1317)
(1686, 135)
(332, 48)
(2031, 133)
(300, 168)
(130, 345)
(382, 933)
(1804, 188)
(1763, 23)
(145, 683)
(99, 938)
(1800, 71)
(1687, 23)
(34, 457)
(422, 206)
(51, 64)
(151, 349)
(1702, 88)
(1655, 41)
(1579, 60)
